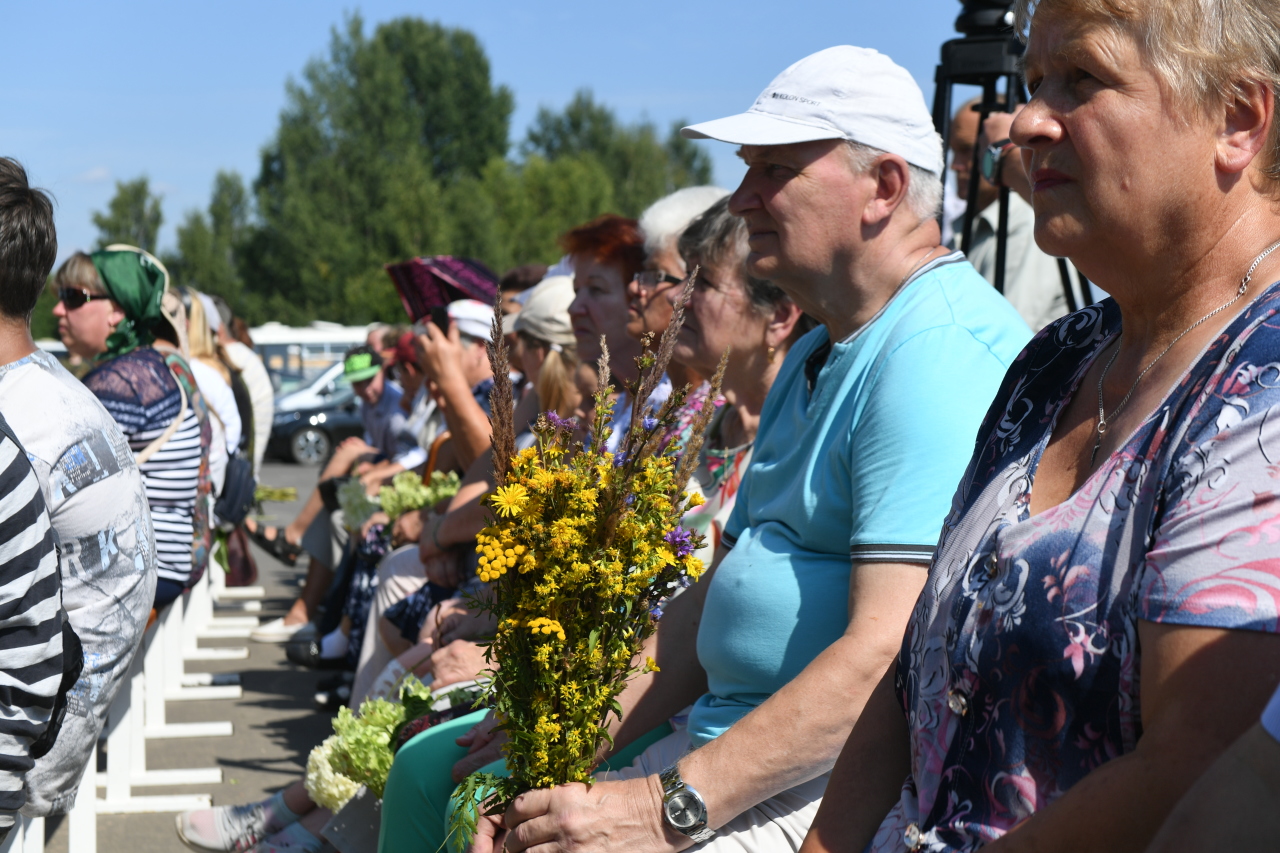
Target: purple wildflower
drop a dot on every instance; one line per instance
(561, 423)
(680, 540)
(649, 424)
(620, 459)
(629, 500)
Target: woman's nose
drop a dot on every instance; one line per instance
(1035, 125)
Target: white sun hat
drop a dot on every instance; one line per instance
(842, 92)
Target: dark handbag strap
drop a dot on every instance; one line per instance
(244, 406)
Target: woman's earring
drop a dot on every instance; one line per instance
(770, 354)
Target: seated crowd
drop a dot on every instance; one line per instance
(968, 586)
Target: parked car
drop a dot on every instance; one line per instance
(307, 435)
(317, 392)
(295, 356)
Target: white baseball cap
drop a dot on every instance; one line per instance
(842, 92)
(545, 315)
(472, 318)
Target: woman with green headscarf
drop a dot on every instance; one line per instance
(144, 382)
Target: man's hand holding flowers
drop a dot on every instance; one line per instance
(610, 815)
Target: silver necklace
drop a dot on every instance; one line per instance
(1115, 413)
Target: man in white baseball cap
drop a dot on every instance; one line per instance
(861, 442)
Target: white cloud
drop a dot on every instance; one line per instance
(96, 175)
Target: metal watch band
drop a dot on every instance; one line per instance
(673, 784)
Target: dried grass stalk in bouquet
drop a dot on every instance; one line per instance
(584, 545)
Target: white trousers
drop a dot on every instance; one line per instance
(779, 823)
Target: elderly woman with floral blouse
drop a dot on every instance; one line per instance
(1101, 614)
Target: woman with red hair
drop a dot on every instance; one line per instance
(607, 253)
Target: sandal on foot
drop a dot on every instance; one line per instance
(277, 546)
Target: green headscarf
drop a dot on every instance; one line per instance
(137, 282)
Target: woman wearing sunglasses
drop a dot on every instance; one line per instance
(110, 313)
(86, 314)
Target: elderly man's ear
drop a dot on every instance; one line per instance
(892, 178)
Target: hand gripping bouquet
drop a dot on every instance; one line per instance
(584, 545)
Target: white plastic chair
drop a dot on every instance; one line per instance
(127, 752)
(27, 836)
(165, 681)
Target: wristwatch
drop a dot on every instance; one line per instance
(683, 808)
(993, 160)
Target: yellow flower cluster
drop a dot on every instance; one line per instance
(595, 542)
(545, 626)
(583, 546)
(495, 559)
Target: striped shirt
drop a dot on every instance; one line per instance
(142, 396)
(30, 624)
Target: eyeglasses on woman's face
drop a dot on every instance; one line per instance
(655, 279)
(77, 297)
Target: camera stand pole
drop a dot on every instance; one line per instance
(985, 60)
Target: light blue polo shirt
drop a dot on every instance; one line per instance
(856, 459)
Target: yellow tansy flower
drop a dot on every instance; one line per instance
(509, 500)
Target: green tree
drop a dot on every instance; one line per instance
(209, 243)
(353, 178)
(641, 167)
(43, 323)
(394, 144)
(133, 216)
(514, 213)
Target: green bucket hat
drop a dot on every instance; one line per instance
(360, 366)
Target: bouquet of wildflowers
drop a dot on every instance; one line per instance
(359, 750)
(406, 492)
(584, 546)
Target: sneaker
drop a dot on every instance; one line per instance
(223, 829)
(276, 631)
(332, 700)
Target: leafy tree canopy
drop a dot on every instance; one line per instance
(641, 167)
(133, 216)
(394, 144)
(208, 242)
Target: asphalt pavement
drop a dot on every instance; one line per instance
(275, 723)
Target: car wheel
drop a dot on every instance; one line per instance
(310, 446)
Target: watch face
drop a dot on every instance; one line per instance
(990, 159)
(683, 811)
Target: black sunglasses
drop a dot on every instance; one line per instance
(75, 297)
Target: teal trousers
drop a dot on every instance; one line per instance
(418, 798)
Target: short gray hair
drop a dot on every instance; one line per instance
(924, 188)
(719, 237)
(663, 221)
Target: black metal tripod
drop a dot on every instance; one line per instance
(988, 54)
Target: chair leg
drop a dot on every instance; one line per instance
(33, 835)
(82, 822)
(164, 682)
(127, 756)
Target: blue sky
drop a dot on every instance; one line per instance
(99, 92)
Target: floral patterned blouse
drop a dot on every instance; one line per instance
(1021, 665)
